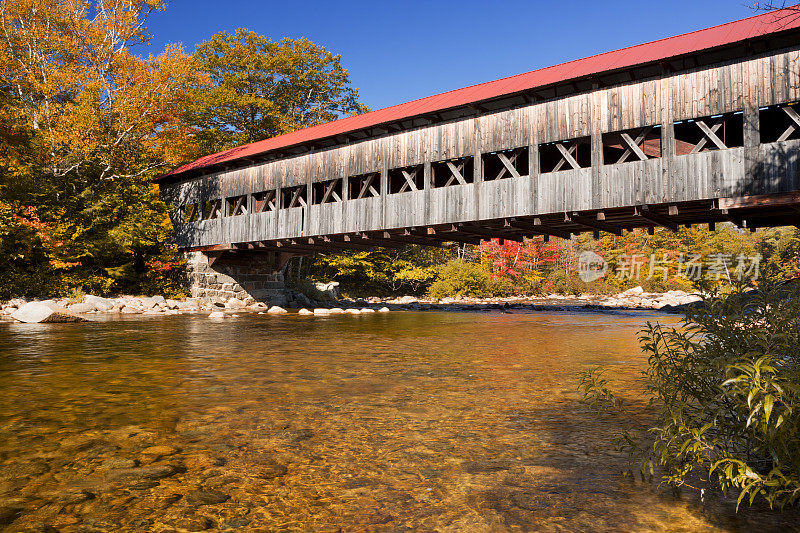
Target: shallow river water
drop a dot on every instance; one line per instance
(387, 422)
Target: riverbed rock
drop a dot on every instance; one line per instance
(304, 311)
(160, 450)
(383, 310)
(367, 310)
(142, 473)
(128, 310)
(330, 289)
(277, 310)
(206, 497)
(321, 311)
(269, 469)
(336, 311)
(351, 311)
(42, 312)
(9, 513)
(234, 303)
(81, 308)
(217, 315)
(99, 303)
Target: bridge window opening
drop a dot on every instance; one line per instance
(364, 186)
(293, 197)
(505, 164)
(454, 172)
(236, 205)
(406, 179)
(565, 155)
(212, 209)
(190, 213)
(638, 144)
(327, 192)
(709, 133)
(265, 201)
(779, 123)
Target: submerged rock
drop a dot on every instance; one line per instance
(9, 513)
(142, 473)
(206, 497)
(44, 312)
(217, 314)
(269, 470)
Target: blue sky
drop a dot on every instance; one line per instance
(400, 51)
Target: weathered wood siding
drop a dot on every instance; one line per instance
(733, 87)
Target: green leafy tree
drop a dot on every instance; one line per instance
(407, 270)
(261, 88)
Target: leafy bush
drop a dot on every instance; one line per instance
(726, 384)
(562, 282)
(462, 278)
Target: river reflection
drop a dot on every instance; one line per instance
(395, 422)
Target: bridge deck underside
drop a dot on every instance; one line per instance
(748, 212)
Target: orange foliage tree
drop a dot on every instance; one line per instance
(86, 124)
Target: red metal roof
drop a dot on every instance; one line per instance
(717, 36)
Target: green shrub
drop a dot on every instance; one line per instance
(563, 282)
(462, 278)
(726, 385)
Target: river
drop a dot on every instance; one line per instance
(406, 421)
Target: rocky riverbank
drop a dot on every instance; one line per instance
(636, 298)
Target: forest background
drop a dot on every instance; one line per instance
(86, 124)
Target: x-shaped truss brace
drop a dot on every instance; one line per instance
(366, 186)
(239, 206)
(792, 114)
(456, 173)
(710, 133)
(267, 203)
(410, 177)
(508, 164)
(296, 198)
(634, 146)
(190, 213)
(567, 150)
(215, 210)
(330, 192)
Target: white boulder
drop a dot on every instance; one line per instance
(44, 312)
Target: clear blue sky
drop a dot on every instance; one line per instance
(400, 51)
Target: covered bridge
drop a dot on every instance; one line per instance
(699, 128)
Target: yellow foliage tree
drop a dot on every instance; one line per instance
(87, 123)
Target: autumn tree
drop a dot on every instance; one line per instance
(86, 124)
(262, 88)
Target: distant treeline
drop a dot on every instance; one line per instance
(685, 260)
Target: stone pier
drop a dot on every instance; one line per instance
(249, 279)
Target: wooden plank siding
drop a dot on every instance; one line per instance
(741, 86)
